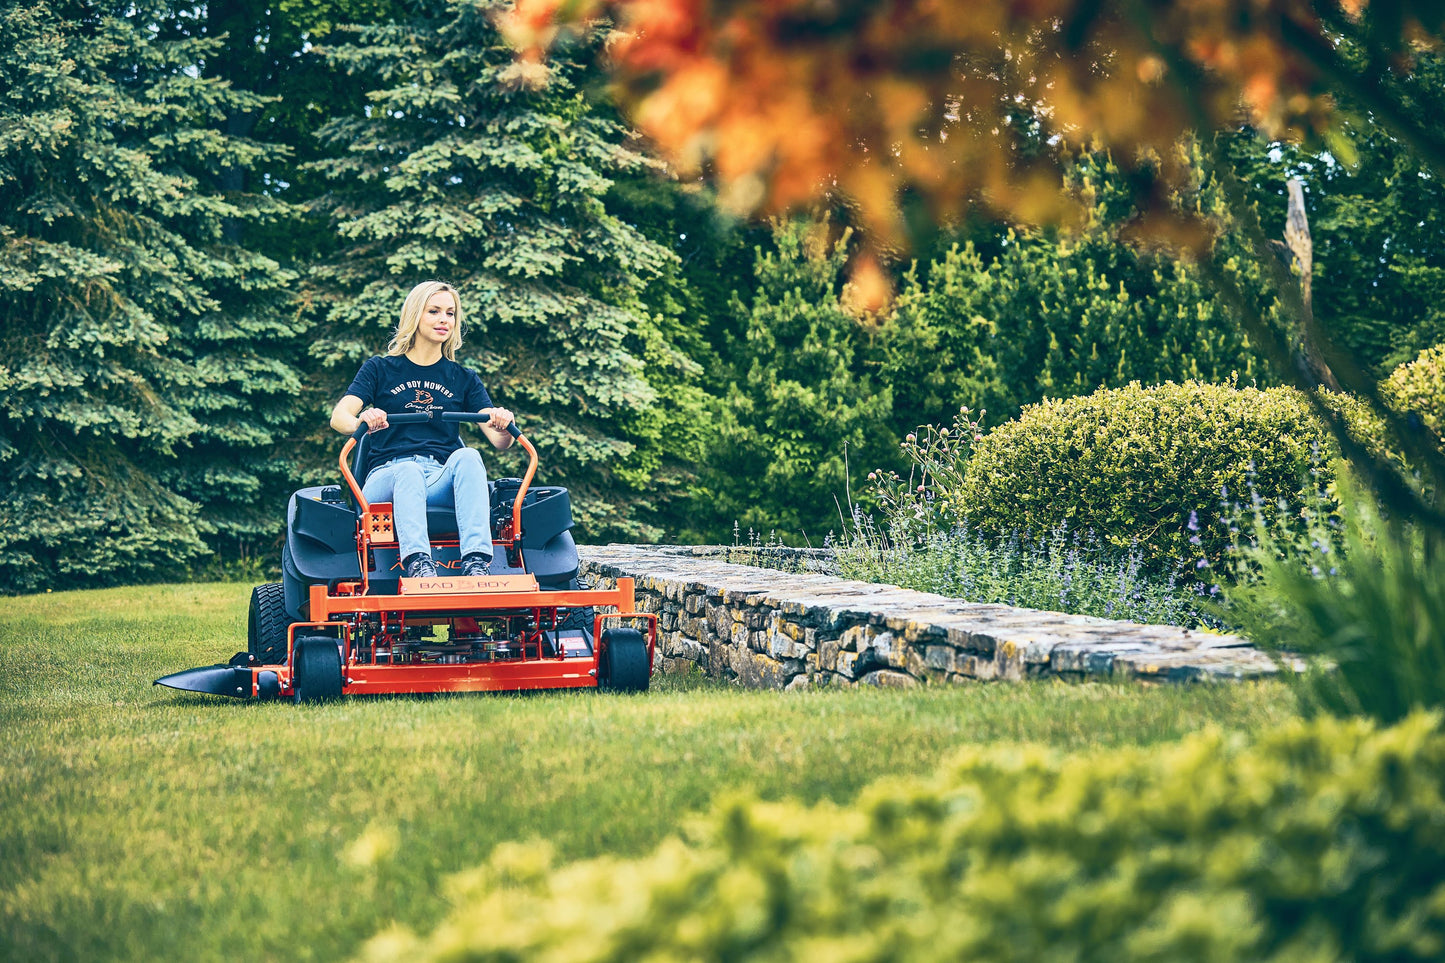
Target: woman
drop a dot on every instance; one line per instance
(426, 464)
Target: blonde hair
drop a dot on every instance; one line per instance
(411, 309)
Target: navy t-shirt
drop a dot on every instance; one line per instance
(397, 385)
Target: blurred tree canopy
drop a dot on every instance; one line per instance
(983, 104)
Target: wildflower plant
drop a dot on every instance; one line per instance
(770, 552)
(1062, 571)
(927, 500)
(920, 538)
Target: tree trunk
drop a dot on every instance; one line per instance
(243, 62)
(1297, 237)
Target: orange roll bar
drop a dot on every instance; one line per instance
(531, 473)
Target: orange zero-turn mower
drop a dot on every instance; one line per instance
(344, 621)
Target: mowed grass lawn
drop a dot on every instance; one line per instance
(138, 822)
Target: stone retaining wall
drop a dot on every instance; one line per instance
(778, 630)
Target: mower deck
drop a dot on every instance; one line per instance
(547, 660)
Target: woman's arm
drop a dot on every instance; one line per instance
(348, 415)
(496, 429)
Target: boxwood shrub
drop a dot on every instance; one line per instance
(1135, 464)
(1419, 386)
(1322, 841)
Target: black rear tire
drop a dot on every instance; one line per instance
(267, 625)
(316, 672)
(623, 665)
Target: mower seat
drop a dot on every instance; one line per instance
(320, 546)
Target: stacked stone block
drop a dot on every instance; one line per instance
(771, 629)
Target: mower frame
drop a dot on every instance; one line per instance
(375, 636)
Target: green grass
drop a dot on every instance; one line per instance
(141, 823)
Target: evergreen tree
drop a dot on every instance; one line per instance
(691, 302)
(268, 48)
(137, 408)
(469, 168)
(804, 409)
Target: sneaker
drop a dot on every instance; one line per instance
(420, 565)
(475, 564)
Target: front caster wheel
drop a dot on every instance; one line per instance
(267, 624)
(316, 669)
(623, 666)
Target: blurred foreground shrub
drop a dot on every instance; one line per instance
(1323, 841)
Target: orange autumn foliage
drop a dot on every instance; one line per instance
(784, 101)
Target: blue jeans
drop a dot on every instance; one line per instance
(416, 482)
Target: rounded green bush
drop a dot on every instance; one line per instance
(1133, 464)
(1323, 841)
(1419, 386)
